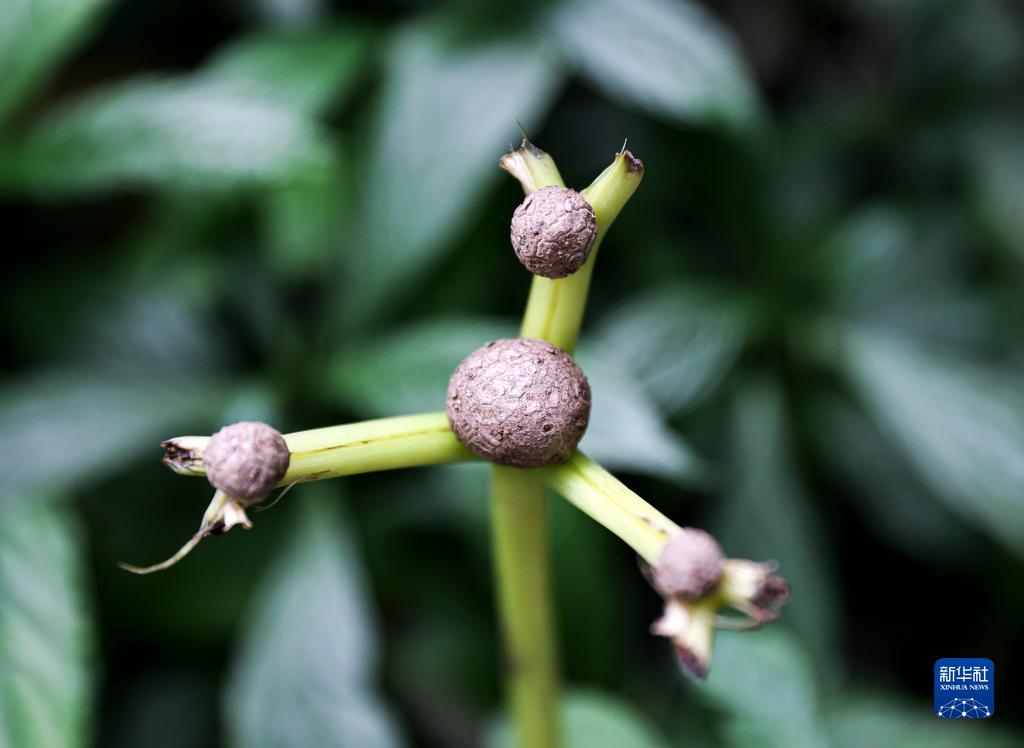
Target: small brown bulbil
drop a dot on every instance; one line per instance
(690, 565)
(246, 460)
(553, 231)
(520, 402)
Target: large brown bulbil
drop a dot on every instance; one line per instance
(246, 460)
(520, 402)
(690, 565)
(553, 231)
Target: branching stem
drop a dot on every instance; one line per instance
(603, 497)
(349, 449)
(554, 312)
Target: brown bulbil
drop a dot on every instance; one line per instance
(246, 460)
(520, 402)
(553, 231)
(690, 566)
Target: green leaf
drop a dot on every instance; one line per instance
(46, 643)
(865, 258)
(61, 429)
(303, 71)
(164, 132)
(304, 670)
(891, 721)
(34, 37)
(627, 429)
(142, 329)
(889, 496)
(763, 681)
(445, 116)
(960, 424)
(768, 515)
(590, 719)
(680, 342)
(670, 58)
(886, 266)
(302, 220)
(408, 371)
(998, 182)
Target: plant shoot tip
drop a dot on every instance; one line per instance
(633, 164)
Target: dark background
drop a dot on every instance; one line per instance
(805, 334)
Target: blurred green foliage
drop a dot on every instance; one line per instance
(805, 334)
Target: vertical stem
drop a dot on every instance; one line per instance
(519, 518)
(554, 312)
(520, 523)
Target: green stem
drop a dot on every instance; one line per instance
(519, 520)
(554, 310)
(602, 496)
(334, 451)
(519, 507)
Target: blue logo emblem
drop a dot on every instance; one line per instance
(965, 688)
